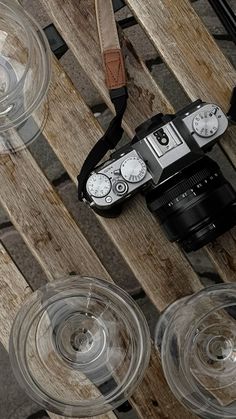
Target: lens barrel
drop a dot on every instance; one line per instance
(195, 206)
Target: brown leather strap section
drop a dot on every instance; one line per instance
(110, 45)
(114, 68)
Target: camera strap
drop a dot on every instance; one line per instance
(114, 68)
(232, 110)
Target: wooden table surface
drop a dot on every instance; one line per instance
(41, 218)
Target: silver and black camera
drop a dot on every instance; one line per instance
(166, 160)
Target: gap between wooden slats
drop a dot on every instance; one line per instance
(78, 27)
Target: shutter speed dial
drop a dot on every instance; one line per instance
(206, 123)
(133, 169)
(98, 185)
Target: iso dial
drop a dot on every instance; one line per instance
(133, 169)
(98, 185)
(205, 124)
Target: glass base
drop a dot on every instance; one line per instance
(197, 339)
(8, 78)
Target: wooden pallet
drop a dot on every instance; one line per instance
(41, 218)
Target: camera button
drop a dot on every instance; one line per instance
(120, 187)
(108, 199)
(164, 140)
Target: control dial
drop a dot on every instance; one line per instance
(133, 169)
(206, 123)
(98, 185)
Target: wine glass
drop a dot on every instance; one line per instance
(197, 339)
(25, 70)
(79, 346)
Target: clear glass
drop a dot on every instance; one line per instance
(75, 332)
(25, 72)
(197, 340)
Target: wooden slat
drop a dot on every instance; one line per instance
(46, 226)
(223, 255)
(136, 233)
(78, 27)
(14, 290)
(203, 71)
(190, 52)
(42, 220)
(55, 239)
(159, 266)
(77, 24)
(153, 389)
(58, 244)
(146, 401)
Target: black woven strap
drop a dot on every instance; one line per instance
(108, 142)
(232, 111)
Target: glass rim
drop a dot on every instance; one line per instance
(34, 33)
(204, 405)
(133, 375)
(28, 34)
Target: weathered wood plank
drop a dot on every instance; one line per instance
(153, 389)
(44, 223)
(78, 26)
(190, 52)
(53, 236)
(41, 218)
(48, 229)
(162, 403)
(136, 234)
(223, 255)
(14, 291)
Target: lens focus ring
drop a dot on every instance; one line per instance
(195, 206)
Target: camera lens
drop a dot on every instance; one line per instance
(195, 206)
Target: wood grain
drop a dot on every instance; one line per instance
(78, 27)
(58, 244)
(159, 266)
(223, 255)
(148, 258)
(77, 24)
(151, 399)
(52, 235)
(190, 52)
(50, 232)
(42, 220)
(158, 399)
(14, 291)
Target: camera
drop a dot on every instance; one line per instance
(183, 187)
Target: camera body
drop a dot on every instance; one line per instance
(166, 160)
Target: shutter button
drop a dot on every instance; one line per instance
(120, 187)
